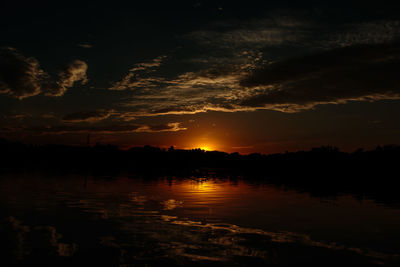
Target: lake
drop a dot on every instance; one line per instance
(121, 220)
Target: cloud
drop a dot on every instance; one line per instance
(257, 38)
(18, 117)
(277, 29)
(188, 93)
(376, 32)
(286, 62)
(134, 79)
(19, 76)
(358, 73)
(156, 62)
(169, 127)
(231, 52)
(87, 116)
(354, 73)
(99, 115)
(76, 71)
(99, 129)
(23, 77)
(85, 45)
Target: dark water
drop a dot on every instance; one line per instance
(120, 221)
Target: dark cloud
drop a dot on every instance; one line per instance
(366, 73)
(286, 62)
(18, 117)
(100, 114)
(164, 127)
(75, 71)
(23, 77)
(19, 76)
(85, 45)
(65, 129)
(99, 129)
(133, 79)
(87, 116)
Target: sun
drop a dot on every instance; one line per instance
(205, 144)
(206, 148)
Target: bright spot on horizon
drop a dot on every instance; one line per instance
(205, 147)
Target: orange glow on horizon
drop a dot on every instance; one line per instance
(206, 147)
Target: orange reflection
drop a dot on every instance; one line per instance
(203, 192)
(204, 186)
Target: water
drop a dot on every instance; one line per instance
(111, 221)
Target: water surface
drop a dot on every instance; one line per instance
(111, 221)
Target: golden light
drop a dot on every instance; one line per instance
(206, 147)
(205, 144)
(203, 190)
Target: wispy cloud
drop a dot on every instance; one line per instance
(98, 129)
(85, 45)
(358, 73)
(187, 93)
(349, 62)
(376, 32)
(133, 78)
(88, 116)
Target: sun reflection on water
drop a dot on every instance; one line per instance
(184, 220)
(202, 186)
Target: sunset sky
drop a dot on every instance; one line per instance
(251, 76)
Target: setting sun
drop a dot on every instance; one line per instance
(206, 147)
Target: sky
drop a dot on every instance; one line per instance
(251, 76)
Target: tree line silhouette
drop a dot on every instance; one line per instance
(323, 171)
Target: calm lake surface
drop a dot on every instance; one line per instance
(111, 221)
